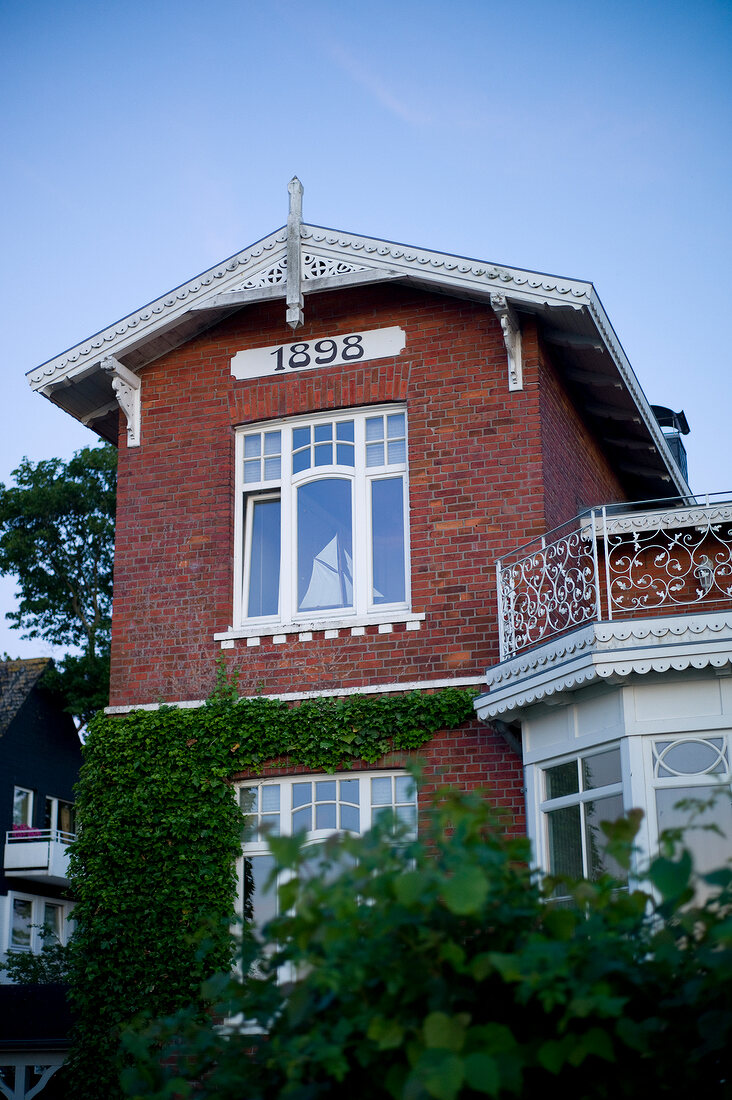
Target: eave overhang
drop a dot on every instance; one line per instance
(570, 318)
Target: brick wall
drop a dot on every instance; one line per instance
(474, 482)
(488, 469)
(472, 758)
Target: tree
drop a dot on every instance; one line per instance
(49, 966)
(443, 970)
(57, 540)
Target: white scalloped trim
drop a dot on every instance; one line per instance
(439, 261)
(591, 656)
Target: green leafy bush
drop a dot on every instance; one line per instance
(442, 969)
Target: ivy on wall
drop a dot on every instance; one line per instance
(153, 868)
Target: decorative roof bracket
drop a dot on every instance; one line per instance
(126, 386)
(512, 340)
(295, 301)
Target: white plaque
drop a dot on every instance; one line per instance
(282, 360)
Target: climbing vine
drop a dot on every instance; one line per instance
(153, 868)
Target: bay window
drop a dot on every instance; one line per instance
(322, 519)
(681, 782)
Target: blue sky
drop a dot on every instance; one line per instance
(142, 143)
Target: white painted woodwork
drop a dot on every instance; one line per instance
(511, 338)
(294, 259)
(127, 389)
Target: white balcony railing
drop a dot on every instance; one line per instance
(610, 563)
(37, 853)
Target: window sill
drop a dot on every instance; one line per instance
(329, 628)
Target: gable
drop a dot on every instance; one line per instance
(97, 377)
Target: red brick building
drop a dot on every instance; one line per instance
(325, 444)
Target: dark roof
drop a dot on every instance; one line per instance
(17, 680)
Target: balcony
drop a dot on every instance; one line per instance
(41, 854)
(619, 589)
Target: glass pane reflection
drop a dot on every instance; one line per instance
(562, 780)
(387, 532)
(565, 841)
(260, 895)
(601, 770)
(598, 860)
(324, 545)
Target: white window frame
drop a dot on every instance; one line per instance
(38, 904)
(288, 618)
(545, 805)
(56, 833)
(260, 847)
(31, 798)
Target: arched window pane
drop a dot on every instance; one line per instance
(324, 545)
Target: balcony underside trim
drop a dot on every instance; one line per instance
(603, 650)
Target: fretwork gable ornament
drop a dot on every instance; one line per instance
(271, 276)
(511, 338)
(313, 267)
(126, 386)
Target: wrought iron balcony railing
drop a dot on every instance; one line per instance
(614, 562)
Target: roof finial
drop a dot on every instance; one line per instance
(295, 189)
(294, 288)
